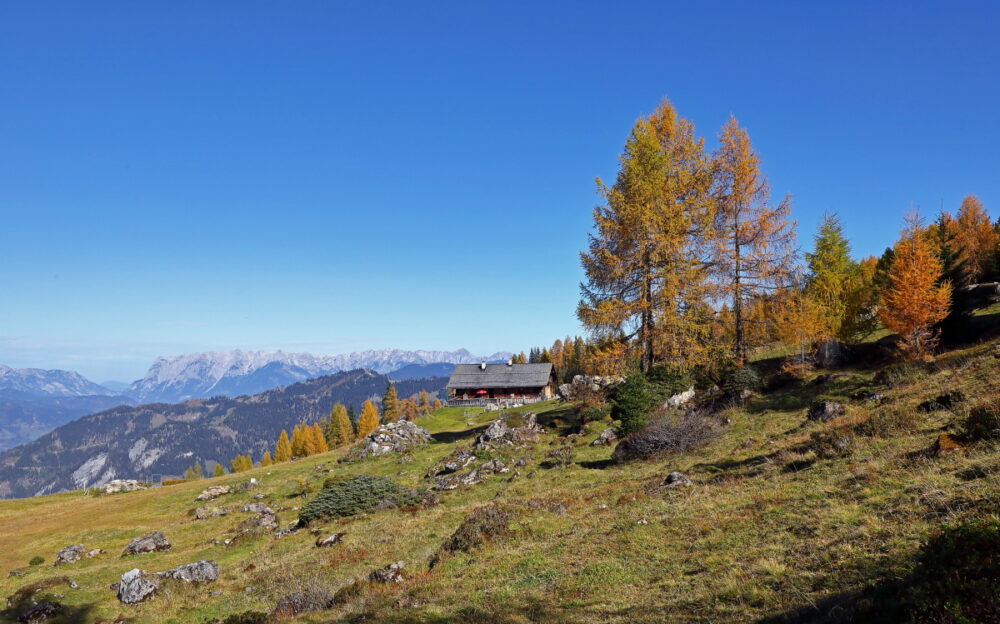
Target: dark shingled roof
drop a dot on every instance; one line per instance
(500, 376)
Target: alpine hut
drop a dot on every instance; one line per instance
(483, 384)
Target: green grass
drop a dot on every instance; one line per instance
(767, 528)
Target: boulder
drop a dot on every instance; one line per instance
(508, 431)
(453, 463)
(495, 466)
(945, 401)
(329, 540)
(831, 354)
(401, 435)
(676, 480)
(681, 398)
(122, 485)
(606, 438)
(93, 552)
(69, 554)
(824, 411)
(154, 542)
(136, 586)
(392, 573)
(198, 572)
(452, 481)
(588, 384)
(213, 492)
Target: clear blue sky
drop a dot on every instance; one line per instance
(335, 176)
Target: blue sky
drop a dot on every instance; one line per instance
(334, 176)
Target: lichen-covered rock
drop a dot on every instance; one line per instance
(69, 554)
(508, 431)
(213, 492)
(154, 542)
(136, 586)
(397, 436)
(824, 411)
(329, 540)
(606, 438)
(452, 481)
(495, 466)
(592, 384)
(392, 573)
(202, 513)
(453, 463)
(676, 480)
(681, 398)
(257, 508)
(122, 485)
(203, 571)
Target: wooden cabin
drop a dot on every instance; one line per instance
(481, 384)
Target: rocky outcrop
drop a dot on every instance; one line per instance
(606, 438)
(154, 542)
(257, 508)
(508, 431)
(825, 411)
(137, 585)
(202, 513)
(69, 554)
(392, 573)
(122, 485)
(397, 436)
(213, 492)
(583, 385)
(681, 398)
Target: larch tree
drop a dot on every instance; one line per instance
(915, 299)
(861, 303)
(975, 240)
(754, 245)
(368, 420)
(218, 471)
(437, 404)
(340, 430)
(831, 274)
(319, 438)
(299, 440)
(425, 403)
(265, 459)
(310, 445)
(390, 404)
(283, 449)
(644, 262)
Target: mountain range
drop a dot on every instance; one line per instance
(34, 401)
(159, 440)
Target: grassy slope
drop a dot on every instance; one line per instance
(764, 530)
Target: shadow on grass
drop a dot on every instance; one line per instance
(597, 464)
(447, 437)
(801, 397)
(45, 609)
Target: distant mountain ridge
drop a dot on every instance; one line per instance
(159, 440)
(232, 373)
(39, 383)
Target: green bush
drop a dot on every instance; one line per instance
(595, 413)
(897, 374)
(36, 561)
(741, 379)
(664, 382)
(957, 575)
(983, 423)
(360, 494)
(631, 402)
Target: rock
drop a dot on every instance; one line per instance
(588, 384)
(682, 398)
(945, 401)
(450, 482)
(69, 554)
(213, 492)
(831, 354)
(676, 480)
(154, 542)
(41, 612)
(329, 540)
(257, 508)
(392, 573)
(136, 586)
(945, 444)
(201, 513)
(264, 521)
(122, 485)
(398, 436)
(514, 429)
(495, 466)
(259, 496)
(453, 463)
(93, 552)
(606, 438)
(497, 434)
(198, 572)
(825, 411)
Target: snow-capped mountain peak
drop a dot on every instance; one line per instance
(37, 382)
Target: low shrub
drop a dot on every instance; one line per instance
(301, 602)
(982, 423)
(664, 382)
(898, 374)
(957, 575)
(831, 443)
(173, 481)
(36, 561)
(631, 402)
(665, 434)
(360, 494)
(595, 413)
(301, 487)
(485, 524)
(888, 423)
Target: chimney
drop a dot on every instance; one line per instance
(482, 366)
